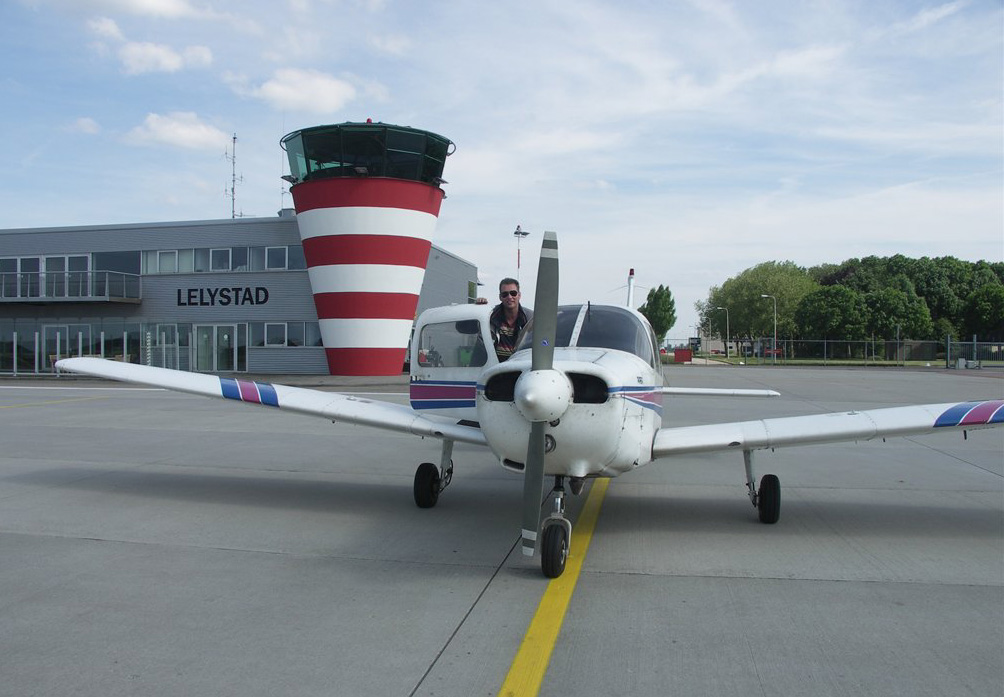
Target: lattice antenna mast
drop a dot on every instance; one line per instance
(234, 179)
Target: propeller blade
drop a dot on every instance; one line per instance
(545, 313)
(545, 322)
(533, 484)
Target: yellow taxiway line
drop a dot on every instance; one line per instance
(528, 668)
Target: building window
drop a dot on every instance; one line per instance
(275, 334)
(202, 260)
(167, 261)
(275, 258)
(186, 260)
(220, 259)
(294, 334)
(256, 333)
(239, 259)
(257, 258)
(312, 334)
(296, 261)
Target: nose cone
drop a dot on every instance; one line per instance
(542, 395)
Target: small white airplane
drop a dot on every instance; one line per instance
(581, 398)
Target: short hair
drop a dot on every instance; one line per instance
(508, 282)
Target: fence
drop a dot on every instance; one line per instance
(874, 352)
(69, 285)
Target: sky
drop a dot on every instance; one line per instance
(687, 139)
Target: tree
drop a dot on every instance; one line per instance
(660, 310)
(984, 313)
(891, 308)
(750, 315)
(832, 312)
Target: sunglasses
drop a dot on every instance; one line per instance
(511, 293)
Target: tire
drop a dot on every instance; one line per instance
(554, 551)
(768, 503)
(426, 485)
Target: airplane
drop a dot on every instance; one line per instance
(581, 398)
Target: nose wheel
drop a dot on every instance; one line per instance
(557, 535)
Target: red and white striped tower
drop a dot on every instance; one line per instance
(367, 198)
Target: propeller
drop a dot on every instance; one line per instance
(535, 396)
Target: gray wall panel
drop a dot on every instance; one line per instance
(299, 361)
(202, 300)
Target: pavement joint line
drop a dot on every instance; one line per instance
(526, 674)
(463, 620)
(248, 550)
(49, 402)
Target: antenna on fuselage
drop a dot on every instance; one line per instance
(630, 298)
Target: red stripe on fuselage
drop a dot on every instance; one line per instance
(366, 249)
(368, 192)
(418, 391)
(365, 305)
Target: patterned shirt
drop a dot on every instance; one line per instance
(505, 336)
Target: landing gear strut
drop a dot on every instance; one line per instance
(431, 480)
(557, 534)
(766, 499)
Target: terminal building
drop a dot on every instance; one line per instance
(332, 286)
(227, 295)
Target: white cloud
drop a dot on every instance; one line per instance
(164, 9)
(105, 28)
(181, 129)
(928, 17)
(86, 125)
(305, 90)
(395, 45)
(138, 58)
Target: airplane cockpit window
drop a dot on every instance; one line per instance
(600, 327)
(567, 314)
(452, 345)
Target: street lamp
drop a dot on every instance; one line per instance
(774, 351)
(726, 330)
(519, 234)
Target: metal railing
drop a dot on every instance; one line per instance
(871, 352)
(47, 286)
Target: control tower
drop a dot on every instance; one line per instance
(367, 197)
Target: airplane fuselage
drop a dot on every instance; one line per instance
(615, 401)
(608, 427)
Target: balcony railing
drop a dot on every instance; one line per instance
(70, 286)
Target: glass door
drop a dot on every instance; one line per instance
(76, 279)
(215, 347)
(30, 272)
(55, 277)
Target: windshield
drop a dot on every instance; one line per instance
(602, 326)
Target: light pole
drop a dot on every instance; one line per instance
(519, 234)
(726, 330)
(774, 351)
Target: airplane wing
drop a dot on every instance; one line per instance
(718, 392)
(828, 428)
(327, 405)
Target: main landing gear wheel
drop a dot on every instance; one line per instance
(554, 550)
(768, 501)
(427, 485)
